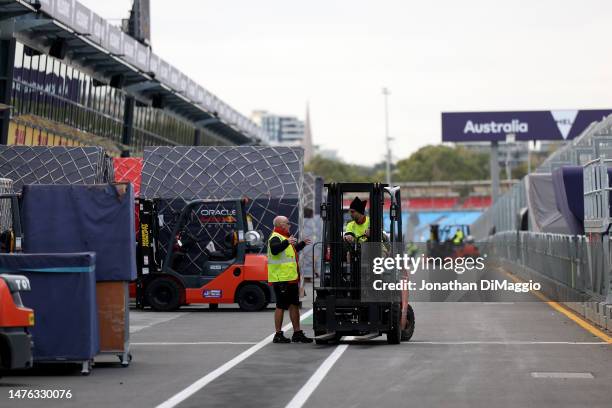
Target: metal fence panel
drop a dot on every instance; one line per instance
(577, 262)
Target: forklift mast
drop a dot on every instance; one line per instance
(333, 228)
(11, 236)
(147, 253)
(333, 215)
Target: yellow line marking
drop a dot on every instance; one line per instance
(569, 314)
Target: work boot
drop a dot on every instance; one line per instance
(300, 337)
(280, 338)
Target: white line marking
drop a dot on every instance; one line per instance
(313, 382)
(580, 343)
(143, 320)
(194, 343)
(208, 378)
(562, 375)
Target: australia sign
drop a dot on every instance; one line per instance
(524, 125)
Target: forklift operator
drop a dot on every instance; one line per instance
(283, 274)
(359, 227)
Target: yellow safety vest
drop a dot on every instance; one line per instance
(358, 229)
(282, 267)
(458, 239)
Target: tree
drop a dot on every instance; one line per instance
(337, 171)
(520, 171)
(443, 163)
(430, 163)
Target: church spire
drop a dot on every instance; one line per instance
(307, 140)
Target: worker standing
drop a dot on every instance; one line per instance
(283, 273)
(359, 228)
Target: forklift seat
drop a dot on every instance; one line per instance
(228, 251)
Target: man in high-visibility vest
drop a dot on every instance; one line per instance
(359, 228)
(458, 237)
(284, 275)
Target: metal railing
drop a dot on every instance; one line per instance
(579, 262)
(596, 196)
(576, 261)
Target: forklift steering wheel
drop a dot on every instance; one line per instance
(355, 245)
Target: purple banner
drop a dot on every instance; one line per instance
(525, 125)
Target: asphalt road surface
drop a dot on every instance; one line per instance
(462, 355)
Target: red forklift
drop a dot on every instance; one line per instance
(211, 256)
(15, 322)
(341, 306)
(15, 319)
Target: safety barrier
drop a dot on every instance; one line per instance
(575, 261)
(597, 196)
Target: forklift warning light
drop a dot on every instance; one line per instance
(212, 293)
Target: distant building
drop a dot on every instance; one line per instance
(307, 140)
(279, 129)
(284, 130)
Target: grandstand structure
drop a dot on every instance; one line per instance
(71, 78)
(450, 195)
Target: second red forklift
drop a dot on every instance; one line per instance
(212, 256)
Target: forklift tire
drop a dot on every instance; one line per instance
(163, 295)
(409, 330)
(251, 298)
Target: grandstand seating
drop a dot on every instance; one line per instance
(432, 202)
(477, 202)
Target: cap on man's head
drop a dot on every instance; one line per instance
(358, 205)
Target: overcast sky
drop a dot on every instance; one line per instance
(434, 56)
